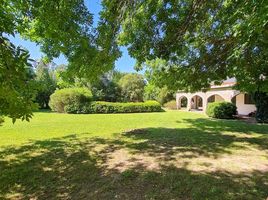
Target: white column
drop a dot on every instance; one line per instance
(178, 102)
(205, 103)
(189, 103)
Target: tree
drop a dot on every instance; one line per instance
(151, 92)
(117, 75)
(191, 43)
(17, 85)
(59, 27)
(46, 84)
(162, 95)
(106, 89)
(132, 86)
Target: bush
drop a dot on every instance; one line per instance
(70, 100)
(172, 105)
(1, 120)
(221, 110)
(109, 107)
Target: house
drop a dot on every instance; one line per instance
(223, 92)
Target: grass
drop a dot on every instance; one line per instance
(170, 155)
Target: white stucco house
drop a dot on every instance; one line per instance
(223, 92)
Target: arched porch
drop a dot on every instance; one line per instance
(199, 100)
(182, 102)
(196, 103)
(215, 98)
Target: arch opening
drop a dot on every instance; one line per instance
(215, 98)
(196, 103)
(183, 102)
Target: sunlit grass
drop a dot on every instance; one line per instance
(169, 155)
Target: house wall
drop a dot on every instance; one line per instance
(242, 108)
(218, 98)
(224, 93)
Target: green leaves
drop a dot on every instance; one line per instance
(59, 27)
(132, 86)
(17, 88)
(204, 41)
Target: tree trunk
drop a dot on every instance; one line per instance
(261, 100)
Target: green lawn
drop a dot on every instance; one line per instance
(169, 155)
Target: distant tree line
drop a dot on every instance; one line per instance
(113, 86)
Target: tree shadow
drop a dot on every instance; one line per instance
(221, 125)
(75, 168)
(198, 141)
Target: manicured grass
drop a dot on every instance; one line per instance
(169, 155)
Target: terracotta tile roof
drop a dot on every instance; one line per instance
(224, 84)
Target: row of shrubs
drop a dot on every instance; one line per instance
(79, 100)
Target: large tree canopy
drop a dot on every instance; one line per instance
(132, 86)
(190, 43)
(59, 27)
(187, 44)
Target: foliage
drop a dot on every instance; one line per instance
(162, 95)
(151, 92)
(190, 44)
(61, 79)
(69, 99)
(165, 95)
(261, 101)
(106, 89)
(221, 110)
(132, 87)
(1, 120)
(17, 86)
(109, 107)
(46, 84)
(59, 27)
(117, 75)
(172, 105)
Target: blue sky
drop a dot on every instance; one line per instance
(125, 63)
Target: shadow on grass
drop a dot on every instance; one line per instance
(71, 168)
(204, 137)
(220, 125)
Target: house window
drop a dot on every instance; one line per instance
(248, 99)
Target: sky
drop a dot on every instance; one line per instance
(124, 64)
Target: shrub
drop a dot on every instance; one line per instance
(109, 107)
(70, 100)
(172, 105)
(221, 110)
(1, 120)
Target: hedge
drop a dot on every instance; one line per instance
(109, 107)
(172, 105)
(69, 100)
(1, 120)
(221, 110)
